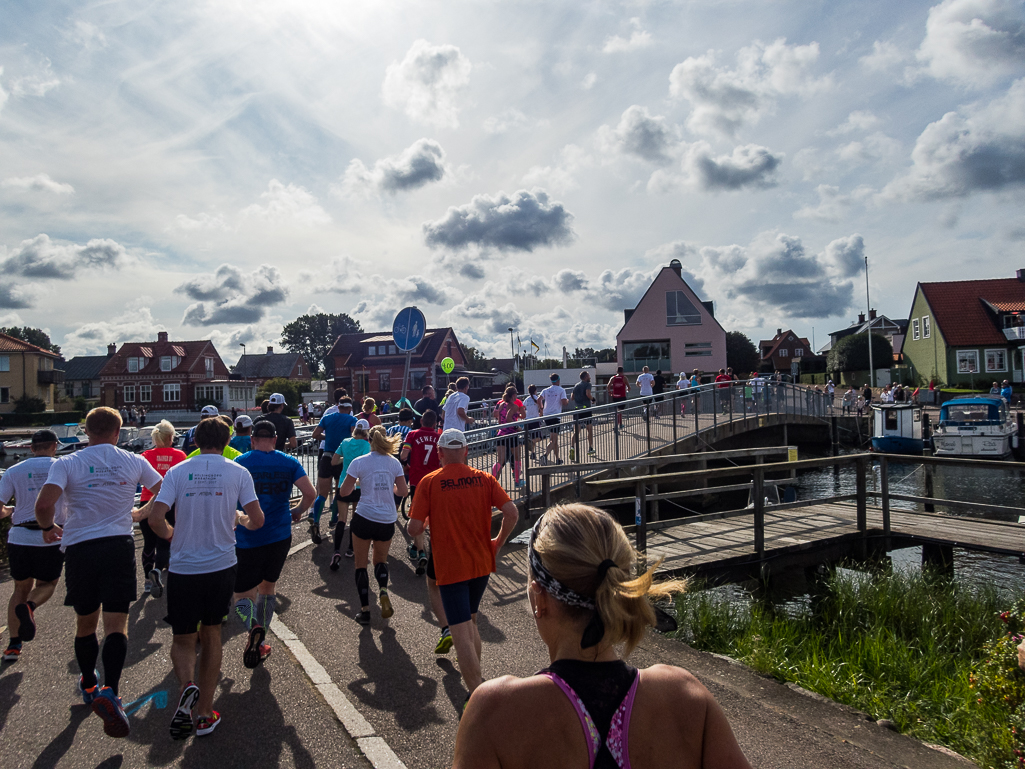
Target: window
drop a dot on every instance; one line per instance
(382, 350)
(5, 364)
(384, 383)
(145, 393)
(5, 394)
(172, 392)
(996, 360)
(209, 366)
(967, 361)
(165, 362)
(210, 393)
(914, 329)
(362, 383)
(697, 349)
(655, 355)
(392, 349)
(69, 388)
(783, 352)
(697, 353)
(87, 389)
(372, 350)
(926, 327)
(129, 393)
(680, 311)
(417, 380)
(133, 365)
(799, 352)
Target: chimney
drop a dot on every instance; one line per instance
(111, 350)
(871, 314)
(162, 336)
(779, 332)
(1021, 275)
(676, 267)
(861, 317)
(270, 350)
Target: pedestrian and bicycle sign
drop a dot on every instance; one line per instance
(408, 328)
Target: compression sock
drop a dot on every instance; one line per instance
(496, 469)
(149, 559)
(381, 575)
(115, 649)
(339, 534)
(265, 609)
(87, 649)
(318, 508)
(14, 642)
(363, 586)
(246, 611)
(516, 470)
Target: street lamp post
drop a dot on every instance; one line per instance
(868, 301)
(512, 347)
(245, 378)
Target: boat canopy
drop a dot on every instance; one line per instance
(973, 411)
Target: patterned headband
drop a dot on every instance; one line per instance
(551, 585)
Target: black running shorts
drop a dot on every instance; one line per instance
(371, 530)
(193, 599)
(327, 470)
(101, 572)
(34, 562)
(260, 564)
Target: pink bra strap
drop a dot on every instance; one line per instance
(618, 741)
(586, 723)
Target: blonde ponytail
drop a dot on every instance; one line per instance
(382, 443)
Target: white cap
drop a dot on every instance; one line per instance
(362, 424)
(209, 411)
(244, 421)
(452, 439)
(276, 399)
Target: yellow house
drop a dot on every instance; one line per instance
(26, 370)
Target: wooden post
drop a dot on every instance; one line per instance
(884, 491)
(758, 496)
(927, 429)
(939, 557)
(928, 488)
(862, 494)
(834, 435)
(640, 514)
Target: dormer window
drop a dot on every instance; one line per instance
(169, 362)
(133, 365)
(372, 350)
(680, 311)
(209, 366)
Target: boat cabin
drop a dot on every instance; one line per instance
(973, 412)
(897, 428)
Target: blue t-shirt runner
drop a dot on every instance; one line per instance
(274, 473)
(337, 427)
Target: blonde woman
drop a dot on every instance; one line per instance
(381, 480)
(370, 412)
(590, 708)
(156, 550)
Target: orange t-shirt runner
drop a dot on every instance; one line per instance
(456, 502)
(162, 459)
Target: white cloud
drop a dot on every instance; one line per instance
(885, 55)
(38, 183)
(638, 39)
(833, 205)
(643, 135)
(723, 100)
(287, 204)
(89, 36)
(3, 93)
(426, 82)
(560, 177)
(136, 323)
(36, 83)
(41, 257)
(747, 167)
(418, 165)
(857, 121)
(870, 149)
(512, 120)
(231, 295)
(974, 42)
(589, 80)
(204, 221)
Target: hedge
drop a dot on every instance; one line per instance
(45, 419)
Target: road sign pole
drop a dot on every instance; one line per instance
(405, 376)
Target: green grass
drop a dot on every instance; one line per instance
(895, 645)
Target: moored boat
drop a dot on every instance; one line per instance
(897, 428)
(975, 427)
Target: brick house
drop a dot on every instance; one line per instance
(26, 369)
(784, 349)
(272, 365)
(162, 375)
(369, 364)
(82, 375)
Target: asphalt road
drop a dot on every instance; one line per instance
(274, 716)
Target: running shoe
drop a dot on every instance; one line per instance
(315, 533)
(348, 552)
(147, 586)
(520, 483)
(12, 654)
(206, 724)
(251, 656)
(444, 644)
(421, 563)
(265, 651)
(181, 721)
(88, 695)
(386, 607)
(107, 706)
(333, 522)
(363, 617)
(592, 453)
(413, 552)
(158, 583)
(27, 620)
(558, 461)
(336, 561)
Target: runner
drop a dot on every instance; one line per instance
(333, 428)
(532, 406)
(283, 426)
(401, 430)
(682, 385)
(420, 453)
(456, 404)
(582, 399)
(205, 492)
(98, 485)
(369, 412)
(155, 550)
(456, 503)
(261, 554)
(381, 479)
(35, 566)
(356, 446)
(228, 452)
(241, 440)
(188, 440)
(509, 409)
(723, 383)
(619, 386)
(645, 381)
(426, 403)
(581, 579)
(554, 399)
(318, 505)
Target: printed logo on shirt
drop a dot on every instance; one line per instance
(461, 483)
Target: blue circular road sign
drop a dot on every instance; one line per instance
(408, 328)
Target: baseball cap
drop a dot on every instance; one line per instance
(362, 424)
(43, 436)
(244, 421)
(209, 411)
(553, 378)
(452, 439)
(277, 399)
(264, 429)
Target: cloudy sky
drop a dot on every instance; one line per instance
(217, 168)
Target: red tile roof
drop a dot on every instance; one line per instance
(190, 353)
(960, 311)
(13, 344)
(1009, 306)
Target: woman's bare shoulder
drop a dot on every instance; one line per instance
(670, 680)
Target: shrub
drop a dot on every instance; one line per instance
(28, 405)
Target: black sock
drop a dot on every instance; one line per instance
(381, 575)
(115, 649)
(444, 629)
(87, 649)
(15, 641)
(363, 586)
(31, 605)
(339, 533)
(149, 558)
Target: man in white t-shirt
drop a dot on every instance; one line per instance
(554, 400)
(98, 486)
(35, 566)
(205, 492)
(645, 382)
(455, 406)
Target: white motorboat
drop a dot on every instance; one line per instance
(975, 427)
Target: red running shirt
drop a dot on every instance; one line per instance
(617, 386)
(423, 453)
(162, 460)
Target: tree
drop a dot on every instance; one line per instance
(312, 336)
(475, 359)
(741, 354)
(605, 355)
(26, 404)
(35, 336)
(290, 388)
(851, 354)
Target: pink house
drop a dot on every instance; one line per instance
(671, 329)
